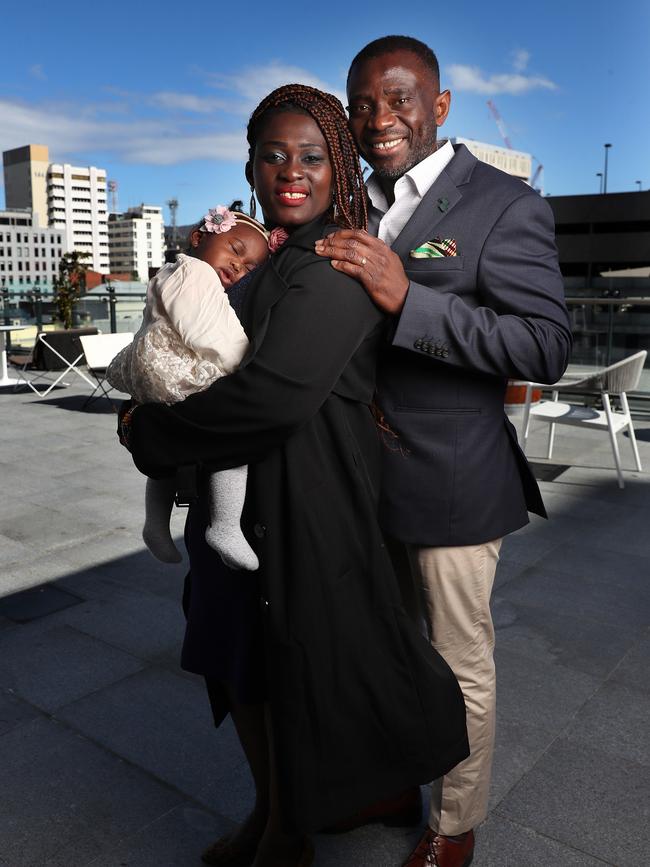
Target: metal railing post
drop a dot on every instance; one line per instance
(112, 305)
(38, 309)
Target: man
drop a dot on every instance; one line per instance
(465, 261)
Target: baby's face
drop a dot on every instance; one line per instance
(232, 254)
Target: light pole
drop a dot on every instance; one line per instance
(607, 147)
(639, 183)
(600, 176)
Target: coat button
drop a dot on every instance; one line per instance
(445, 353)
(259, 530)
(418, 343)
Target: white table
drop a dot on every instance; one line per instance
(4, 378)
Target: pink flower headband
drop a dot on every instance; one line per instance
(220, 219)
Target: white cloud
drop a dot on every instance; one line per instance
(179, 148)
(254, 82)
(520, 59)
(153, 141)
(472, 79)
(161, 128)
(188, 102)
(36, 71)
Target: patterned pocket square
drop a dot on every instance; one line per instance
(435, 249)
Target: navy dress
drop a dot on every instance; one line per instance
(224, 633)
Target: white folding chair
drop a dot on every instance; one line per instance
(100, 350)
(617, 379)
(55, 352)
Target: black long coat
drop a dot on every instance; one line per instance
(362, 707)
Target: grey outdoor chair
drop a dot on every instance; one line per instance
(56, 355)
(99, 350)
(617, 380)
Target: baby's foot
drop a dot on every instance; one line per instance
(159, 541)
(232, 547)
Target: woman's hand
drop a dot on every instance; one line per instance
(371, 262)
(124, 417)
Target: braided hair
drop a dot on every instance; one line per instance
(350, 209)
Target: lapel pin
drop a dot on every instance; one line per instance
(443, 204)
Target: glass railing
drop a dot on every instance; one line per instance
(608, 324)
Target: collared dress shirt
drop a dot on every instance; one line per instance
(410, 189)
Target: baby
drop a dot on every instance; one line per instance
(190, 336)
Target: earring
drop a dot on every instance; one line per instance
(252, 208)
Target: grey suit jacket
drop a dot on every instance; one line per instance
(455, 475)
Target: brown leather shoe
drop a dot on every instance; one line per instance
(436, 850)
(404, 811)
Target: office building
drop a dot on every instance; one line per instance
(597, 233)
(77, 205)
(69, 198)
(25, 175)
(515, 163)
(137, 241)
(29, 253)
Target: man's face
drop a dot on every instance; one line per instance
(395, 108)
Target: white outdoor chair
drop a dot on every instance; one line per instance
(100, 350)
(56, 354)
(617, 379)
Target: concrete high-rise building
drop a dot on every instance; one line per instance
(77, 205)
(137, 241)
(515, 163)
(29, 253)
(25, 173)
(69, 198)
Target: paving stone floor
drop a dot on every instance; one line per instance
(107, 754)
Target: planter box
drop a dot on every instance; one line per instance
(516, 397)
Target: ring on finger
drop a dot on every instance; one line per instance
(363, 261)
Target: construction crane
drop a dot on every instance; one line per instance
(172, 204)
(112, 192)
(537, 174)
(500, 124)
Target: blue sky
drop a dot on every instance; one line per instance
(159, 93)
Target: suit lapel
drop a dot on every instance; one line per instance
(437, 203)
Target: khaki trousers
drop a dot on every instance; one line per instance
(447, 592)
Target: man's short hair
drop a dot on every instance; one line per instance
(389, 44)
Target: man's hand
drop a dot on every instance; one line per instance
(371, 262)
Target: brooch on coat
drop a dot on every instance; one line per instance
(435, 249)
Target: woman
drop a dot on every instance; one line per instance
(357, 704)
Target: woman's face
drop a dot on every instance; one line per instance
(292, 170)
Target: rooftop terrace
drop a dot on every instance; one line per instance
(107, 753)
